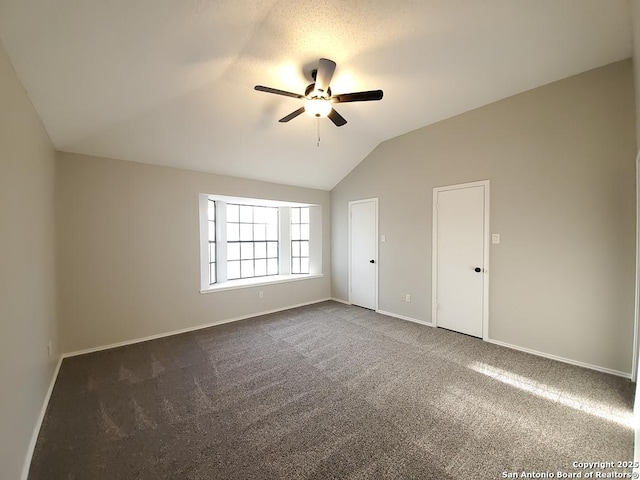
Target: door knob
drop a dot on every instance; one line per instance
(372, 261)
(478, 269)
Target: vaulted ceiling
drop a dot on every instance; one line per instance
(171, 82)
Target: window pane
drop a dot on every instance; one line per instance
(304, 249)
(272, 266)
(295, 248)
(246, 214)
(246, 268)
(304, 215)
(246, 232)
(272, 216)
(304, 232)
(259, 215)
(295, 215)
(295, 232)
(233, 251)
(304, 265)
(261, 268)
(233, 213)
(259, 232)
(248, 228)
(211, 210)
(272, 232)
(212, 231)
(212, 252)
(233, 232)
(295, 265)
(260, 250)
(212, 273)
(233, 270)
(246, 250)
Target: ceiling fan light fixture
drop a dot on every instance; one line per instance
(317, 107)
(318, 98)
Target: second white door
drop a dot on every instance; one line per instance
(363, 253)
(460, 225)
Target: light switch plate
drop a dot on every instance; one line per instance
(495, 238)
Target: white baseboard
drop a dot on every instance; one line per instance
(186, 330)
(340, 301)
(561, 359)
(408, 319)
(36, 430)
(522, 349)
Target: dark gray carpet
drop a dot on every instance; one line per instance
(326, 391)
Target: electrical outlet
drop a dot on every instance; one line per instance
(402, 297)
(407, 298)
(260, 294)
(49, 348)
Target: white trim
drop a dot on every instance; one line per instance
(561, 359)
(636, 316)
(408, 319)
(284, 241)
(203, 219)
(339, 300)
(260, 202)
(188, 329)
(355, 202)
(635, 351)
(487, 246)
(258, 281)
(36, 431)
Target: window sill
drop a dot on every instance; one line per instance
(254, 282)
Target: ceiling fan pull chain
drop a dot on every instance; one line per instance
(318, 130)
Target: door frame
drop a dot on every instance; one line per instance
(351, 203)
(487, 244)
(635, 358)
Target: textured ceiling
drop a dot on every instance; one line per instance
(171, 82)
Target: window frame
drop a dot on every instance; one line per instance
(240, 242)
(284, 243)
(299, 239)
(210, 242)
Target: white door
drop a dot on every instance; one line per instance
(460, 232)
(363, 253)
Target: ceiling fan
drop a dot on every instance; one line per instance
(318, 97)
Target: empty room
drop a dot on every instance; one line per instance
(319, 240)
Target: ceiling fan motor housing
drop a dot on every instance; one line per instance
(311, 88)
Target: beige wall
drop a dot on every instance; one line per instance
(129, 251)
(635, 23)
(27, 286)
(560, 159)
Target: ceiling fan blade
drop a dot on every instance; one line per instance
(336, 118)
(358, 96)
(324, 75)
(292, 115)
(260, 88)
